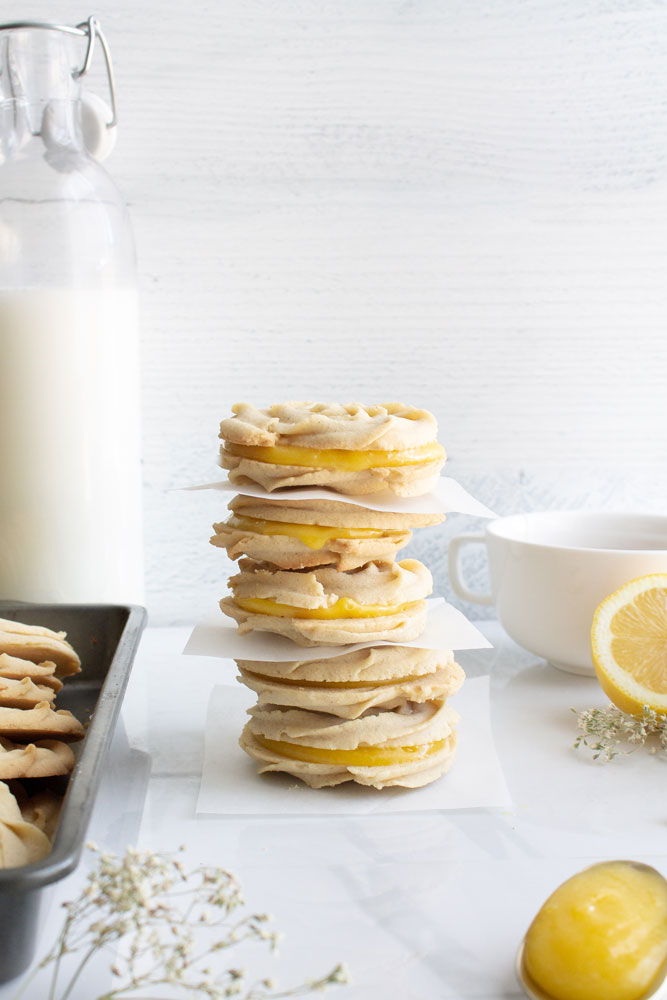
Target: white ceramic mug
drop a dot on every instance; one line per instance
(549, 571)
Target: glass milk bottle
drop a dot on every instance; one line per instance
(70, 481)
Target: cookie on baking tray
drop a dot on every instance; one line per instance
(351, 448)
(23, 693)
(42, 674)
(42, 759)
(350, 684)
(409, 746)
(323, 606)
(32, 642)
(42, 722)
(41, 808)
(295, 534)
(34, 737)
(21, 842)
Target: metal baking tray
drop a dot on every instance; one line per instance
(106, 638)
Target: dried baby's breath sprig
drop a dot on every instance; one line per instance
(610, 732)
(168, 927)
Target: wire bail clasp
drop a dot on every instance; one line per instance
(93, 29)
(90, 29)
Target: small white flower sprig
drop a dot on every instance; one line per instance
(610, 732)
(155, 913)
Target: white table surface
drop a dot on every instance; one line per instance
(426, 906)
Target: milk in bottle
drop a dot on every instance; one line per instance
(70, 510)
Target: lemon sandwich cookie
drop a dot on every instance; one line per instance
(409, 746)
(296, 534)
(351, 448)
(326, 607)
(349, 685)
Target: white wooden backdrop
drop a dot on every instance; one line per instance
(458, 204)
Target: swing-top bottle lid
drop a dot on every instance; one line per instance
(98, 119)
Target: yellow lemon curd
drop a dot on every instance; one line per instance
(297, 682)
(360, 757)
(338, 458)
(602, 935)
(344, 607)
(315, 536)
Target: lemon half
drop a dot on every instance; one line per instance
(629, 644)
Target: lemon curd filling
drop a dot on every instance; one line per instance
(361, 757)
(344, 607)
(315, 536)
(338, 458)
(343, 685)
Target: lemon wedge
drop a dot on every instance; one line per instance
(629, 644)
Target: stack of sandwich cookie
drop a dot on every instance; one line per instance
(34, 736)
(324, 572)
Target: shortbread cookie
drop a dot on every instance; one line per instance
(349, 685)
(42, 809)
(44, 674)
(409, 746)
(21, 842)
(365, 592)
(32, 642)
(40, 723)
(351, 448)
(23, 693)
(34, 760)
(296, 534)
(324, 606)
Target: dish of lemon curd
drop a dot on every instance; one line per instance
(601, 934)
(351, 448)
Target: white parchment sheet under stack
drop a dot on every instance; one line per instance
(448, 497)
(231, 785)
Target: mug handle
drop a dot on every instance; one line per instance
(455, 574)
